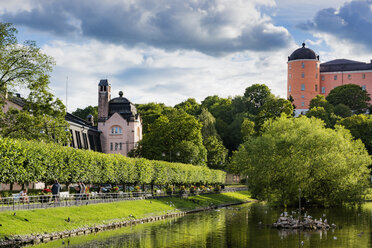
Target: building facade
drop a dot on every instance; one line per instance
(307, 77)
(118, 121)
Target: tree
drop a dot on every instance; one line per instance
(190, 106)
(351, 95)
(216, 153)
(168, 136)
(320, 101)
(247, 129)
(25, 66)
(327, 165)
(360, 127)
(20, 65)
(320, 113)
(90, 110)
(150, 112)
(208, 122)
(342, 110)
(273, 107)
(255, 97)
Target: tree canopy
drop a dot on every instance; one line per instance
(25, 66)
(351, 95)
(327, 165)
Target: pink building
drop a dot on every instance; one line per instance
(118, 121)
(307, 77)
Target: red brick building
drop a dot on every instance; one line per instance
(307, 77)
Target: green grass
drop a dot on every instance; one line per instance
(54, 219)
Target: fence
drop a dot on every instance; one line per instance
(18, 202)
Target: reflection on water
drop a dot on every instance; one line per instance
(240, 226)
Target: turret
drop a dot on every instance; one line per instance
(104, 96)
(303, 77)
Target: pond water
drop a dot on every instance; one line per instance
(240, 226)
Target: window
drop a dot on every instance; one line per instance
(104, 88)
(302, 96)
(116, 146)
(302, 104)
(289, 88)
(316, 87)
(302, 65)
(316, 65)
(323, 90)
(302, 86)
(116, 130)
(316, 75)
(335, 77)
(120, 146)
(290, 66)
(290, 75)
(85, 140)
(364, 87)
(72, 140)
(364, 76)
(78, 139)
(111, 147)
(302, 75)
(322, 78)
(349, 76)
(101, 88)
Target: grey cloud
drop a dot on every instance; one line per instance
(352, 22)
(167, 24)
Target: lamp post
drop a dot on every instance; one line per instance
(170, 155)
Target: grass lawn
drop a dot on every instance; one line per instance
(54, 219)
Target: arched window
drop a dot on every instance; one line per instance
(116, 130)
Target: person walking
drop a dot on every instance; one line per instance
(56, 189)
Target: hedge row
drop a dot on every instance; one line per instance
(29, 161)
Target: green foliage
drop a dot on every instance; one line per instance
(255, 97)
(25, 66)
(247, 129)
(320, 101)
(320, 113)
(208, 124)
(172, 134)
(31, 161)
(190, 106)
(342, 110)
(216, 153)
(90, 110)
(351, 95)
(360, 126)
(327, 165)
(150, 112)
(272, 108)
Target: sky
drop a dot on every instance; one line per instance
(170, 50)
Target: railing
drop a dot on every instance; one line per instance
(18, 202)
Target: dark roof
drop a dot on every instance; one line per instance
(75, 119)
(122, 106)
(344, 65)
(103, 82)
(303, 53)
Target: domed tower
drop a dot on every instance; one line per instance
(303, 77)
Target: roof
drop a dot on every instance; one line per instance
(77, 120)
(303, 53)
(103, 82)
(122, 106)
(344, 65)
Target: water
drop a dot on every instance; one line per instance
(239, 226)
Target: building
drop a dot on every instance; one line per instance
(118, 121)
(307, 77)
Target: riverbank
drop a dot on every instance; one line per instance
(46, 221)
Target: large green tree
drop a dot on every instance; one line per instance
(190, 106)
(327, 165)
(174, 137)
(255, 97)
(25, 66)
(351, 95)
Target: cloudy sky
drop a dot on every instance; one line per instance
(170, 50)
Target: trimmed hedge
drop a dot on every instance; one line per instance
(31, 161)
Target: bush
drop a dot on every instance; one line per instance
(327, 165)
